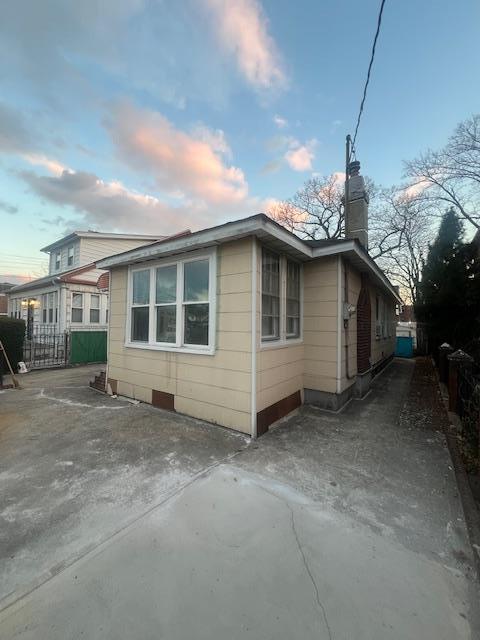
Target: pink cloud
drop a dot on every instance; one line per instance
(242, 29)
(300, 157)
(191, 164)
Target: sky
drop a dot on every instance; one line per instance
(153, 116)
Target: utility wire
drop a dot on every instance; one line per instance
(372, 56)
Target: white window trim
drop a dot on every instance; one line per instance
(82, 321)
(283, 340)
(152, 345)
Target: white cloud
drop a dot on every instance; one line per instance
(242, 29)
(280, 122)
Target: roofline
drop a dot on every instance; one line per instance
(243, 228)
(52, 279)
(101, 235)
(207, 237)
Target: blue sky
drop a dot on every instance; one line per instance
(154, 116)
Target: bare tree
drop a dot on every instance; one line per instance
(399, 226)
(404, 263)
(316, 210)
(452, 175)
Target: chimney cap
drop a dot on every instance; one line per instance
(354, 168)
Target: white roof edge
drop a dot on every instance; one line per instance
(223, 233)
(236, 230)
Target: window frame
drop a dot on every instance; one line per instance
(58, 260)
(178, 345)
(283, 340)
(78, 293)
(90, 309)
(70, 255)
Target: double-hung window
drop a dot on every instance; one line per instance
(293, 300)
(70, 254)
(58, 259)
(171, 305)
(270, 295)
(77, 307)
(281, 298)
(166, 304)
(50, 307)
(140, 305)
(94, 308)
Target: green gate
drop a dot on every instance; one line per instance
(88, 346)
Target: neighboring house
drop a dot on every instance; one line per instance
(407, 325)
(68, 297)
(241, 323)
(4, 287)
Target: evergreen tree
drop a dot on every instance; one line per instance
(445, 286)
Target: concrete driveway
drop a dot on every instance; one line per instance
(331, 526)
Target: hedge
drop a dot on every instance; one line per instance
(12, 335)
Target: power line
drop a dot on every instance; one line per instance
(372, 56)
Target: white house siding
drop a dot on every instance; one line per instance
(92, 249)
(215, 387)
(63, 250)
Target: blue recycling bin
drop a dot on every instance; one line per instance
(404, 348)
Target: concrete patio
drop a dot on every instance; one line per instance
(123, 521)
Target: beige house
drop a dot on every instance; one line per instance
(241, 323)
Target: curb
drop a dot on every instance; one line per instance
(470, 510)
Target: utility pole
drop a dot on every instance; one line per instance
(348, 144)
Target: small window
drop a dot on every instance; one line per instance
(270, 295)
(166, 304)
(196, 313)
(94, 308)
(44, 308)
(70, 256)
(50, 307)
(293, 300)
(140, 305)
(77, 307)
(58, 260)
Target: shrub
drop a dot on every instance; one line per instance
(12, 335)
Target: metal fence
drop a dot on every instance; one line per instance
(468, 405)
(45, 346)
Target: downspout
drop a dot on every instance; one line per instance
(253, 390)
(339, 324)
(108, 328)
(349, 377)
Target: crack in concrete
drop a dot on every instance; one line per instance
(307, 568)
(304, 559)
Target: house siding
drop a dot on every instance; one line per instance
(92, 249)
(380, 348)
(320, 279)
(216, 388)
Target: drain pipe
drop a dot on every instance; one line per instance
(346, 325)
(253, 329)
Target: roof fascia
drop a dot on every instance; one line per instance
(208, 237)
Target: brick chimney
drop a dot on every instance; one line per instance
(356, 219)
